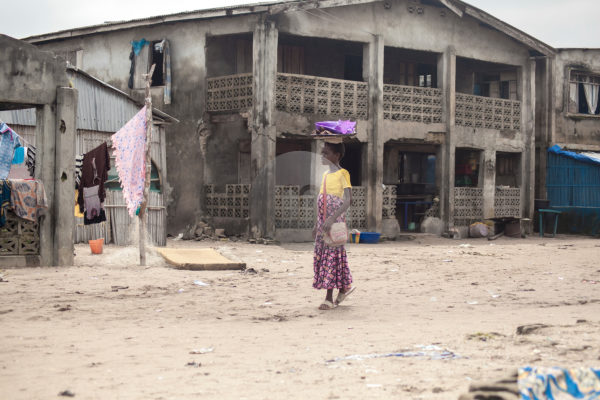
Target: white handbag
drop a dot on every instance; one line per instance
(338, 233)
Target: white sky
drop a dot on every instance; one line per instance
(559, 23)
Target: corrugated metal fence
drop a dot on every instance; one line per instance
(572, 183)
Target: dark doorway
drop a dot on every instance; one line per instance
(352, 162)
(353, 69)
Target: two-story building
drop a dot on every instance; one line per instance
(444, 96)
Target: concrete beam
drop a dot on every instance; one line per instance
(489, 182)
(66, 132)
(44, 171)
(447, 66)
(528, 127)
(373, 60)
(262, 199)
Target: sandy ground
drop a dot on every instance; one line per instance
(259, 336)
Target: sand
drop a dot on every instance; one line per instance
(109, 329)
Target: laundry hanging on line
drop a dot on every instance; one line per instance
(129, 144)
(94, 173)
(9, 142)
(28, 199)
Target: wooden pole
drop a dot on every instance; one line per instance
(143, 206)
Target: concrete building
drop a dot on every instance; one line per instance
(563, 115)
(568, 115)
(444, 95)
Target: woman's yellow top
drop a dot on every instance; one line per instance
(336, 182)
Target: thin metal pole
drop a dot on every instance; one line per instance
(143, 206)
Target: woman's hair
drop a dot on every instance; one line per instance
(338, 148)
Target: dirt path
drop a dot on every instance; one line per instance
(108, 329)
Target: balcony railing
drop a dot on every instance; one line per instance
(305, 94)
(486, 112)
(229, 93)
(410, 103)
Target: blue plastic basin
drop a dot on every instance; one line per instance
(369, 237)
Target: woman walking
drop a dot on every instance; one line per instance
(331, 269)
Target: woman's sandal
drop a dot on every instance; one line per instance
(342, 296)
(327, 305)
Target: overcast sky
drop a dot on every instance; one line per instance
(559, 23)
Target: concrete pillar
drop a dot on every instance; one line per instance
(44, 171)
(447, 72)
(528, 130)
(64, 172)
(489, 182)
(373, 61)
(262, 199)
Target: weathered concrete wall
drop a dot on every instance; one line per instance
(223, 149)
(28, 75)
(429, 31)
(579, 131)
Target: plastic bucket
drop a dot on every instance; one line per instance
(96, 246)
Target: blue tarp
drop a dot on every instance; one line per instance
(576, 156)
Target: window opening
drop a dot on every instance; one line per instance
(353, 69)
(156, 57)
(583, 93)
(466, 170)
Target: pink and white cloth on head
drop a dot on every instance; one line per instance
(129, 145)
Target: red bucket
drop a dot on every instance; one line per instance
(96, 246)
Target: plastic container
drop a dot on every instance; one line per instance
(354, 237)
(369, 237)
(96, 246)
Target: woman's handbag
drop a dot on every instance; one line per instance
(338, 233)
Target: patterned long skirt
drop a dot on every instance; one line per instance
(330, 263)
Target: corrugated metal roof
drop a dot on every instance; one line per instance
(100, 107)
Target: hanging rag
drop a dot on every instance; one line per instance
(19, 157)
(18, 169)
(138, 45)
(9, 141)
(129, 145)
(30, 160)
(78, 165)
(167, 71)
(77, 212)
(94, 171)
(28, 198)
(4, 201)
(94, 209)
(131, 69)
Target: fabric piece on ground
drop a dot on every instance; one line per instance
(4, 201)
(431, 352)
(555, 383)
(28, 198)
(330, 264)
(129, 144)
(9, 141)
